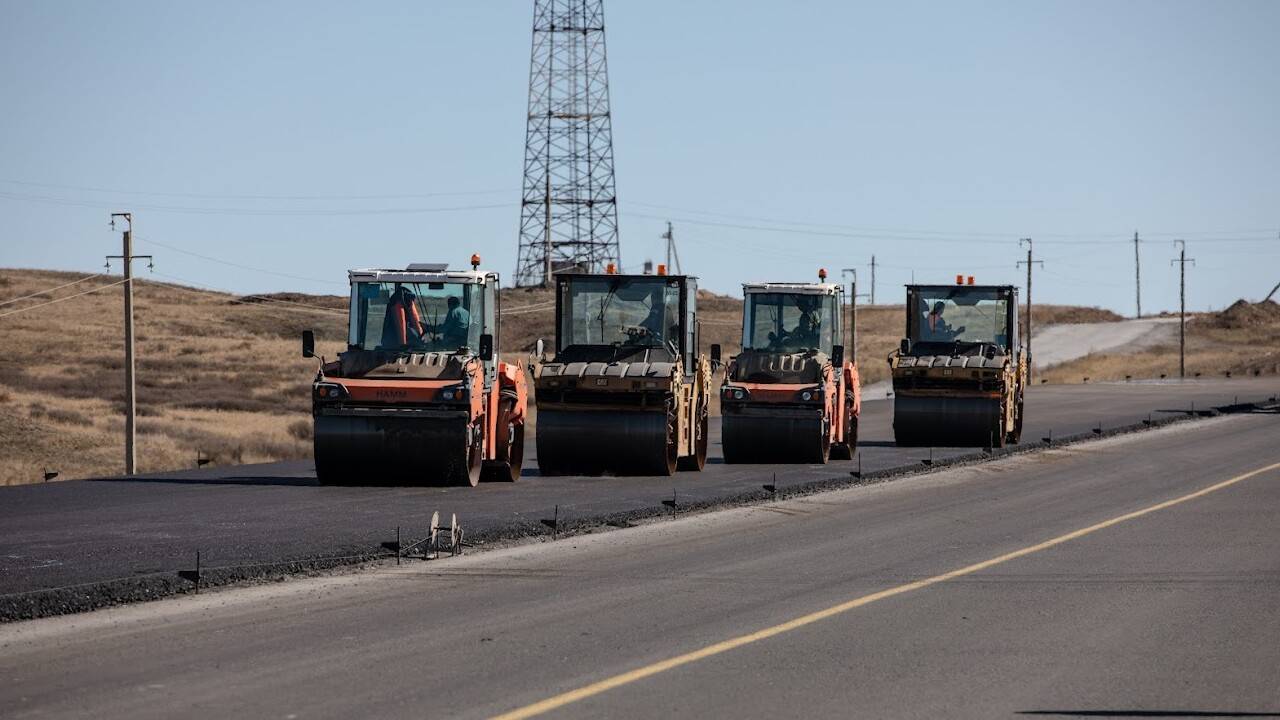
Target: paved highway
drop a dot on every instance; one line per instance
(1133, 577)
(136, 533)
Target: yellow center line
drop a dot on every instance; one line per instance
(640, 673)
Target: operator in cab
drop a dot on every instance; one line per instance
(935, 329)
(804, 335)
(401, 325)
(454, 329)
(655, 323)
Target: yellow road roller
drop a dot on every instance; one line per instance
(960, 372)
(628, 391)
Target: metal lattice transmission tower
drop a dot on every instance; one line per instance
(569, 210)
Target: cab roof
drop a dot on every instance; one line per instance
(797, 288)
(953, 286)
(625, 276)
(420, 273)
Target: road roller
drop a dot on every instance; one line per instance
(790, 395)
(628, 390)
(960, 373)
(420, 396)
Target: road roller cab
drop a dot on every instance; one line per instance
(790, 395)
(960, 372)
(420, 395)
(628, 391)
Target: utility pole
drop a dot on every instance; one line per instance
(853, 312)
(1029, 262)
(873, 280)
(670, 237)
(130, 400)
(1137, 273)
(1273, 292)
(1182, 305)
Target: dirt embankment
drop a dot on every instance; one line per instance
(1242, 315)
(1068, 315)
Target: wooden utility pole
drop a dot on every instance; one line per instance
(1137, 273)
(853, 312)
(1182, 305)
(130, 399)
(873, 280)
(1029, 262)
(672, 253)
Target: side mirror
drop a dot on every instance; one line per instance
(486, 347)
(905, 346)
(837, 355)
(540, 350)
(715, 353)
(308, 344)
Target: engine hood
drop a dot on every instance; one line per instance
(774, 367)
(402, 366)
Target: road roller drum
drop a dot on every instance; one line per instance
(774, 438)
(381, 450)
(595, 442)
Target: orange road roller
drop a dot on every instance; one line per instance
(419, 396)
(790, 395)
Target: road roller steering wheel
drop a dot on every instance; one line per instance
(635, 332)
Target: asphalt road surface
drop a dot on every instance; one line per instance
(1133, 577)
(142, 531)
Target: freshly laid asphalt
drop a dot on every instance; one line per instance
(1157, 609)
(99, 541)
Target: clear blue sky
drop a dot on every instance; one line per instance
(905, 130)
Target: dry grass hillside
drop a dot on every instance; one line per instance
(217, 375)
(221, 377)
(1243, 339)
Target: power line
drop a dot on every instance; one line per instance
(241, 266)
(818, 233)
(49, 290)
(195, 287)
(211, 196)
(69, 297)
(269, 212)
(1224, 236)
(529, 308)
(1228, 235)
(956, 239)
(1081, 238)
(801, 223)
(1077, 280)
